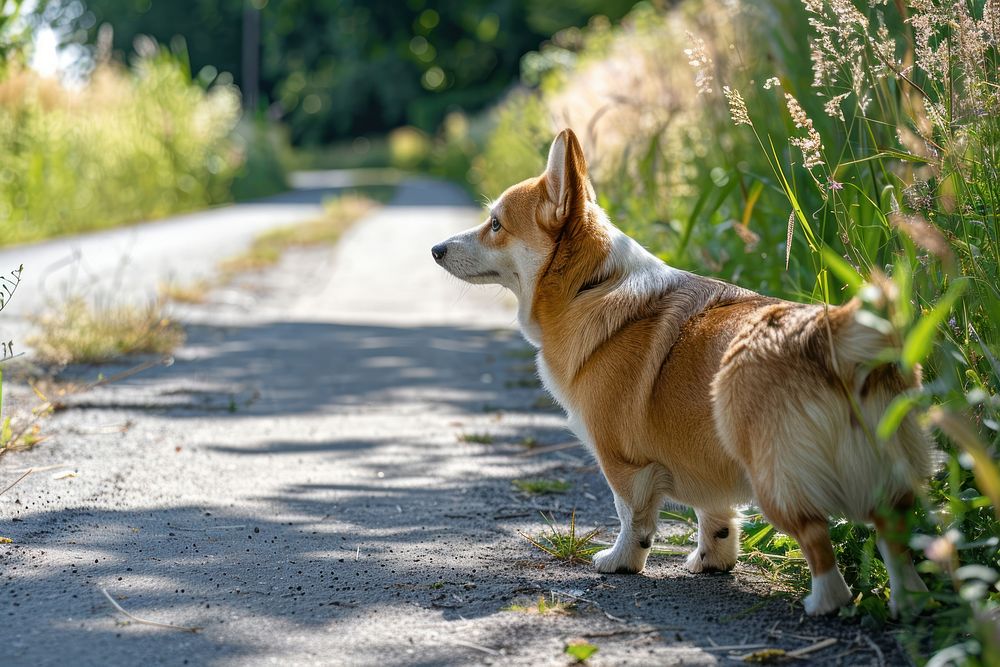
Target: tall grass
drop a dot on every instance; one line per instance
(815, 151)
(128, 145)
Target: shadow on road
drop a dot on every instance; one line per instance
(289, 368)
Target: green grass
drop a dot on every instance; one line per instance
(566, 545)
(476, 438)
(540, 486)
(580, 650)
(78, 331)
(358, 153)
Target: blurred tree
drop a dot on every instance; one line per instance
(14, 34)
(336, 68)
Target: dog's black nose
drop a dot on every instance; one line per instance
(439, 251)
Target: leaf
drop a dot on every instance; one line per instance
(580, 650)
(752, 196)
(840, 268)
(893, 416)
(754, 539)
(964, 434)
(918, 342)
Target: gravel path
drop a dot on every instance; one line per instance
(305, 485)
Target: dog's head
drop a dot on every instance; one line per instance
(524, 224)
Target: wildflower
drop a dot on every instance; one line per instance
(942, 550)
(833, 184)
(771, 83)
(699, 59)
(841, 37)
(832, 106)
(933, 60)
(737, 107)
(811, 145)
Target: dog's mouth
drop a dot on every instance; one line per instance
(484, 277)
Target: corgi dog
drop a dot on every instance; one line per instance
(698, 391)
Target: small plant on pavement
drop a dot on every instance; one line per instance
(566, 545)
(476, 438)
(78, 331)
(539, 486)
(544, 607)
(580, 650)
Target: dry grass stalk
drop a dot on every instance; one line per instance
(78, 331)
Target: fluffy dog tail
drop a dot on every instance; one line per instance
(858, 356)
(798, 398)
(856, 345)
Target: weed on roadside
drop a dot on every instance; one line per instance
(566, 545)
(580, 650)
(476, 438)
(14, 436)
(544, 607)
(540, 486)
(268, 248)
(78, 331)
(194, 292)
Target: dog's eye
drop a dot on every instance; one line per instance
(495, 224)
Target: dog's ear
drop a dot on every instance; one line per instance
(566, 176)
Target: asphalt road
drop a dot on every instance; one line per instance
(324, 476)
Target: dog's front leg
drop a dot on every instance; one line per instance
(637, 499)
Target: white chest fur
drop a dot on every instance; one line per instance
(574, 421)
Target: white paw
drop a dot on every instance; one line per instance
(701, 561)
(829, 593)
(612, 561)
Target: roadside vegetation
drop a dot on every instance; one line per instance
(339, 213)
(131, 144)
(816, 151)
(565, 544)
(79, 331)
(89, 330)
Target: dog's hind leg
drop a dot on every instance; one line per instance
(638, 492)
(829, 590)
(718, 541)
(903, 577)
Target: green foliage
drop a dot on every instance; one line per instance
(580, 650)
(476, 438)
(566, 545)
(336, 68)
(14, 33)
(130, 145)
(812, 165)
(539, 486)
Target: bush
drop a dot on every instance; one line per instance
(866, 137)
(129, 145)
